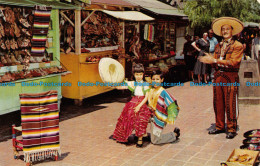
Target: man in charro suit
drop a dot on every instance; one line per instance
(226, 60)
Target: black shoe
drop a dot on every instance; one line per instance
(111, 137)
(177, 131)
(216, 131)
(139, 145)
(147, 138)
(231, 135)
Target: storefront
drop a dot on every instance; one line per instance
(22, 37)
(89, 35)
(159, 39)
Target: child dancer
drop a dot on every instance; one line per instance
(165, 110)
(136, 114)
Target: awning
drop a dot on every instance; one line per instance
(129, 15)
(157, 7)
(251, 24)
(32, 3)
(112, 2)
(18, 3)
(55, 4)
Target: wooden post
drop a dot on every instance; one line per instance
(123, 40)
(77, 32)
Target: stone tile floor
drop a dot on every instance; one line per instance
(84, 133)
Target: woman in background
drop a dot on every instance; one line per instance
(202, 46)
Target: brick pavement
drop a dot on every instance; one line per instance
(84, 137)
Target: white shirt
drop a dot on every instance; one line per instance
(139, 90)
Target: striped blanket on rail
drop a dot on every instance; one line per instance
(40, 125)
(40, 29)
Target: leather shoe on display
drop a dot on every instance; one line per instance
(231, 135)
(216, 131)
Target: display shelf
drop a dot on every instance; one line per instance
(83, 71)
(9, 95)
(89, 62)
(100, 49)
(37, 78)
(32, 66)
(160, 58)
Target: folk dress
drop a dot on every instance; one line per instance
(129, 120)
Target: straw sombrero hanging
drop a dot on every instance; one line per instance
(111, 71)
(236, 24)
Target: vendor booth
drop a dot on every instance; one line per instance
(29, 50)
(159, 41)
(89, 35)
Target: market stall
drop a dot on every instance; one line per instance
(158, 40)
(28, 63)
(89, 35)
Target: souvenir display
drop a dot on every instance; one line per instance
(251, 147)
(254, 140)
(23, 35)
(37, 72)
(252, 133)
(16, 33)
(242, 157)
(99, 30)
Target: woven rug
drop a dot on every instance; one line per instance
(40, 125)
(40, 30)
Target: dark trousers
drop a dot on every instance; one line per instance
(225, 100)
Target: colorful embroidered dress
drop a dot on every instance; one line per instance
(165, 106)
(129, 120)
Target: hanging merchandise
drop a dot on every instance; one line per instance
(149, 32)
(40, 30)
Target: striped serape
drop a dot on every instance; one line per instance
(40, 125)
(149, 32)
(166, 109)
(40, 30)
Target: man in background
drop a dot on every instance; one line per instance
(212, 44)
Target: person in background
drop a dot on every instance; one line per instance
(212, 44)
(256, 45)
(196, 38)
(202, 46)
(189, 56)
(227, 58)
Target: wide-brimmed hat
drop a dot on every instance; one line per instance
(111, 71)
(234, 22)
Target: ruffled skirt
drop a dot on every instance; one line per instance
(129, 121)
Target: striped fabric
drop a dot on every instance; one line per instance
(40, 125)
(149, 32)
(40, 30)
(166, 111)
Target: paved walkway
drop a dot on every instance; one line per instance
(84, 136)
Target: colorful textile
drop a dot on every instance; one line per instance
(149, 32)
(40, 30)
(166, 109)
(129, 120)
(40, 125)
